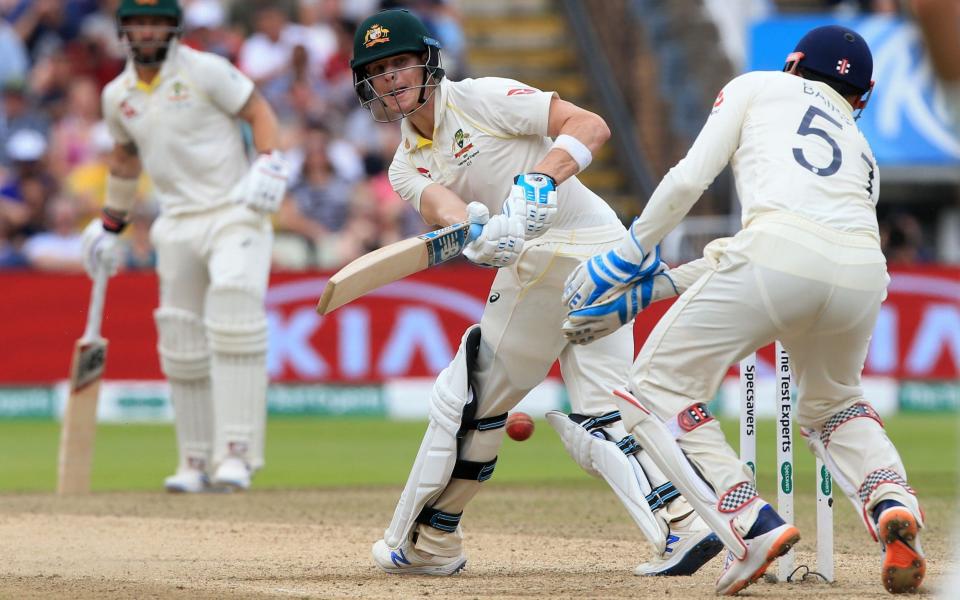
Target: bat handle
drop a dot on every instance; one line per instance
(95, 312)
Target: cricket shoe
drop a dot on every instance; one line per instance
(232, 474)
(690, 545)
(768, 539)
(187, 481)
(903, 563)
(407, 560)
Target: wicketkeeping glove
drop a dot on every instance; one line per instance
(533, 195)
(605, 275)
(266, 183)
(500, 241)
(595, 321)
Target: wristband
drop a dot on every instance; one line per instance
(113, 221)
(577, 150)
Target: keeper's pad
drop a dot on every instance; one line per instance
(185, 360)
(659, 439)
(237, 329)
(603, 448)
(452, 410)
(859, 495)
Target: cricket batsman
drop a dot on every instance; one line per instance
(806, 269)
(481, 150)
(175, 113)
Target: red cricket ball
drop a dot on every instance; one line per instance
(519, 426)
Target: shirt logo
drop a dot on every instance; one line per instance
(377, 34)
(843, 66)
(424, 172)
(719, 100)
(127, 110)
(179, 93)
(520, 91)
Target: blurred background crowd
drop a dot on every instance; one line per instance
(56, 56)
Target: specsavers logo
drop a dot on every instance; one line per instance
(376, 35)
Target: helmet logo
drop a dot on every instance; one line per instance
(376, 35)
(146, 2)
(843, 66)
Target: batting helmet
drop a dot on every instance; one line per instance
(838, 56)
(385, 34)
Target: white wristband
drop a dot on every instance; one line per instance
(577, 150)
(121, 193)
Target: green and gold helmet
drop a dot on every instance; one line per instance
(149, 53)
(385, 34)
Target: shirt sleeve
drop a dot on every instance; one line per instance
(510, 107)
(407, 181)
(711, 151)
(223, 83)
(110, 106)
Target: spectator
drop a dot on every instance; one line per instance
(265, 56)
(14, 65)
(204, 23)
(902, 240)
(10, 255)
(71, 141)
(313, 31)
(17, 114)
(23, 195)
(59, 247)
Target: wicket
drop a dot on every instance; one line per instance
(785, 471)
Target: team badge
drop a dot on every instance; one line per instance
(462, 148)
(377, 34)
(179, 93)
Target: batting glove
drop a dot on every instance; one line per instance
(101, 249)
(595, 321)
(605, 275)
(500, 240)
(266, 183)
(533, 195)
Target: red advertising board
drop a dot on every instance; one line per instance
(407, 329)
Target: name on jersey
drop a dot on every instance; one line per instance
(462, 148)
(813, 91)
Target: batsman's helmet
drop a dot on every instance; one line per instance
(149, 8)
(838, 56)
(385, 34)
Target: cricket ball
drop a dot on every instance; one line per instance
(519, 426)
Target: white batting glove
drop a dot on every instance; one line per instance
(500, 241)
(533, 195)
(266, 183)
(605, 275)
(595, 321)
(101, 249)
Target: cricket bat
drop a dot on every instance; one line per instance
(393, 262)
(80, 415)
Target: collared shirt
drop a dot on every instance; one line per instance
(486, 131)
(794, 147)
(184, 126)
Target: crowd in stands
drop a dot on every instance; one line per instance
(57, 55)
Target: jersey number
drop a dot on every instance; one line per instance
(806, 129)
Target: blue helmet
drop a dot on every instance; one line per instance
(837, 54)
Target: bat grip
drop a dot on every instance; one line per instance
(95, 312)
(475, 230)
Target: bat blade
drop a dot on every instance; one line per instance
(391, 263)
(80, 417)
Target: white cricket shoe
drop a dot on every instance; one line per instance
(407, 560)
(690, 545)
(768, 539)
(233, 474)
(187, 481)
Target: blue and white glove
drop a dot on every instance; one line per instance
(595, 321)
(500, 241)
(605, 275)
(533, 195)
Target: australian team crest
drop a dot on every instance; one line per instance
(462, 147)
(377, 34)
(179, 92)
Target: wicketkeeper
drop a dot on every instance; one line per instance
(806, 269)
(176, 112)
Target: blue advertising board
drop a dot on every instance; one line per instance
(906, 122)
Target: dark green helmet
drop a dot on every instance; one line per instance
(149, 8)
(389, 33)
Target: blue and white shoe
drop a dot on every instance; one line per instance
(406, 560)
(690, 545)
(768, 539)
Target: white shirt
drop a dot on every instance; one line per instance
(486, 131)
(794, 148)
(184, 126)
